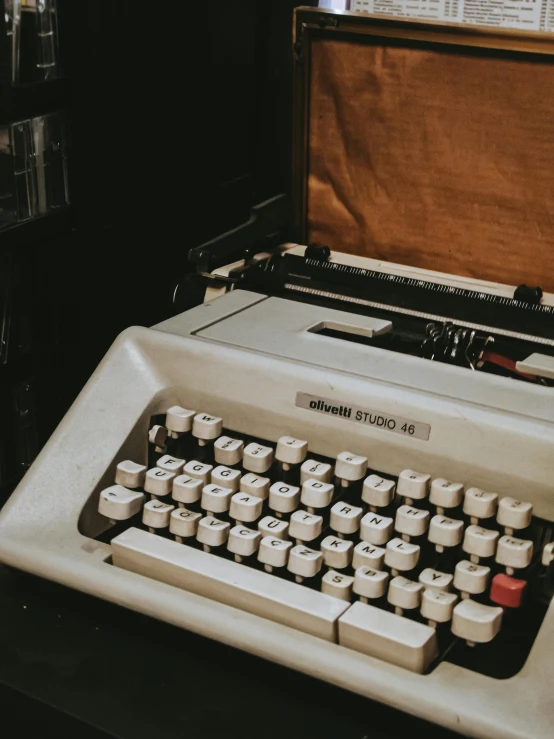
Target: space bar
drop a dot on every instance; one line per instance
(228, 582)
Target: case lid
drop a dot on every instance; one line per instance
(426, 144)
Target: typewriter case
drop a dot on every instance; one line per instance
(428, 148)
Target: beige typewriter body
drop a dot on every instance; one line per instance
(486, 434)
(252, 359)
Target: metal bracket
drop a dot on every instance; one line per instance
(267, 218)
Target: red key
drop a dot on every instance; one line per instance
(507, 591)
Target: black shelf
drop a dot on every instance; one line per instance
(19, 102)
(36, 230)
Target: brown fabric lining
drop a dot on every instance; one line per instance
(433, 159)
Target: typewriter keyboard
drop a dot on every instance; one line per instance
(410, 569)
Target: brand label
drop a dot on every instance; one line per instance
(367, 416)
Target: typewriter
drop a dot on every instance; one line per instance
(343, 460)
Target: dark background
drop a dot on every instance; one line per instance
(179, 121)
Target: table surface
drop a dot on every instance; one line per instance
(131, 676)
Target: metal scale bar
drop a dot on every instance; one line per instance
(427, 300)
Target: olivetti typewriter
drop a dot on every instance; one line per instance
(343, 460)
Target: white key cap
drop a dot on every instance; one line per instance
(212, 532)
(480, 504)
(316, 494)
(437, 606)
(430, 578)
(377, 491)
(388, 637)
(155, 514)
(368, 555)
(547, 554)
(171, 464)
(411, 521)
(404, 593)
(283, 498)
(376, 529)
(471, 578)
(338, 585)
(350, 466)
(206, 427)
(187, 489)
(158, 482)
(118, 504)
(257, 458)
(158, 436)
(130, 474)
(198, 470)
(514, 514)
(290, 450)
(228, 451)
(226, 477)
(245, 508)
(184, 523)
(337, 553)
(445, 532)
(313, 470)
(401, 555)
(514, 553)
(227, 582)
(446, 494)
(475, 622)
(479, 541)
(274, 552)
(215, 498)
(370, 583)
(413, 485)
(255, 485)
(179, 419)
(304, 562)
(305, 526)
(345, 518)
(275, 527)
(243, 541)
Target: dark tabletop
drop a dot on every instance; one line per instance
(90, 664)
